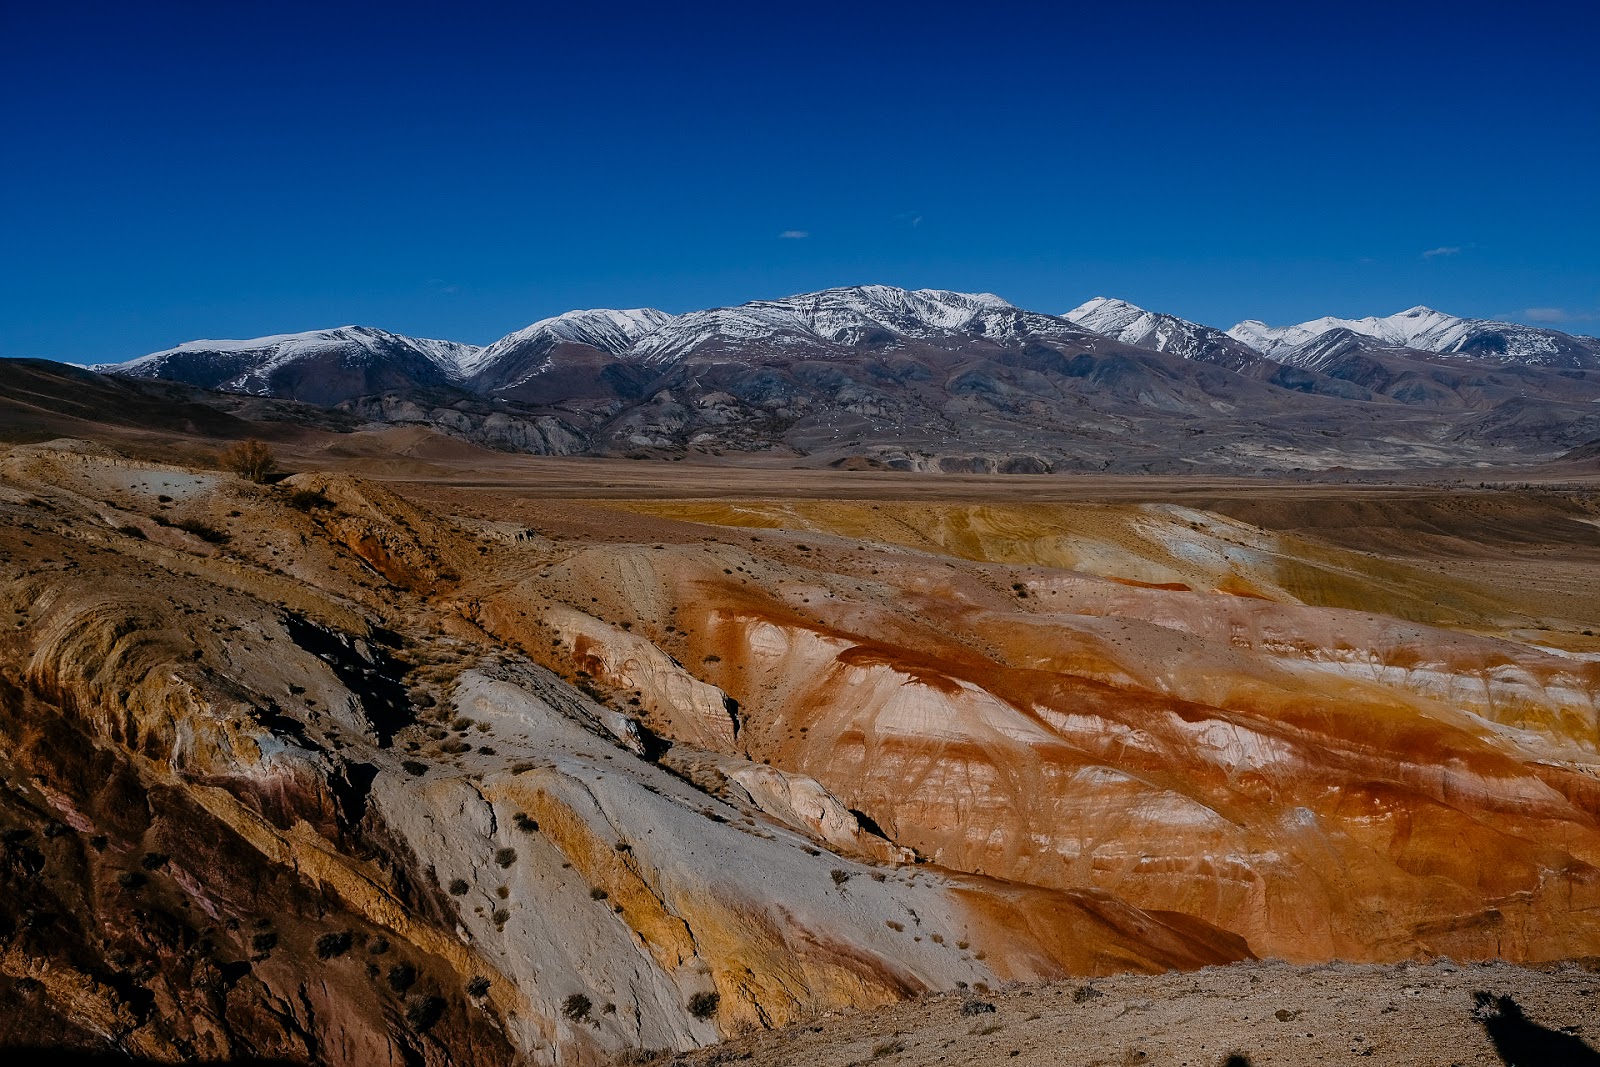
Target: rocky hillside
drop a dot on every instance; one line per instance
(944, 381)
(270, 790)
(331, 773)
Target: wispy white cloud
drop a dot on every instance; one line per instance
(1553, 316)
(909, 218)
(1442, 250)
(794, 235)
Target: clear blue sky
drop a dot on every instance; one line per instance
(173, 171)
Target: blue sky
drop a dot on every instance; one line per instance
(173, 171)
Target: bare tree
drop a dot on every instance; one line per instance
(251, 459)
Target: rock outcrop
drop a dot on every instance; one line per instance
(277, 780)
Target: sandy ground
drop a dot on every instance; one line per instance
(1262, 1014)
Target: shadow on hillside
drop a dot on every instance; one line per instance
(1520, 1042)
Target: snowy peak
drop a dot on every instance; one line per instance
(1427, 330)
(851, 316)
(248, 365)
(1133, 325)
(521, 354)
(1419, 327)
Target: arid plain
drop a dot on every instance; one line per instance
(464, 757)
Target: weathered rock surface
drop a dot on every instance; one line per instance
(269, 787)
(1331, 753)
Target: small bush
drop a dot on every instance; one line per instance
(598, 894)
(131, 531)
(378, 946)
(402, 976)
(839, 877)
(423, 1012)
(477, 986)
(458, 887)
(252, 460)
(1085, 993)
(331, 945)
(704, 1005)
(263, 943)
(888, 1048)
(522, 822)
(977, 1007)
(501, 917)
(576, 1007)
(505, 857)
(412, 767)
(153, 861)
(309, 500)
(130, 879)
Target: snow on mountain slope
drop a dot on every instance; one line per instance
(261, 354)
(1428, 330)
(856, 315)
(608, 330)
(320, 366)
(1133, 325)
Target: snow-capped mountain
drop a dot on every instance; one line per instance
(520, 356)
(864, 315)
(318, 366)
(1427, 330)
(1133, 325)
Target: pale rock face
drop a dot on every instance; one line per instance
(796, 800)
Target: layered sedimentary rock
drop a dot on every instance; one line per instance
(283, 775)
(1328, 752)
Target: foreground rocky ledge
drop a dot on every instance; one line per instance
(1268, 1014)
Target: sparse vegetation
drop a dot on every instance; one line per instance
(308, 500)
(598, 894)
(839, 877)
(576, 1007)
(402, 976)
(522, 822)
(505, 857)
(423, 1012)
(458, 887)
(333, 944)
(252, 460)
(704, 1005)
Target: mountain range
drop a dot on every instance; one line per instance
(934, 379)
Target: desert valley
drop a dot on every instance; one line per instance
(972, 684)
